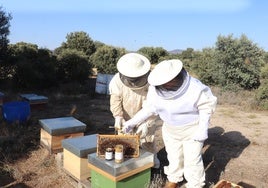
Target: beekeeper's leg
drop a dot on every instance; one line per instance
(194, 171)
(174, 149)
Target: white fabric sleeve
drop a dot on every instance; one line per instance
(202, 131)
(139, 117)
(206, 106)
(207, 101)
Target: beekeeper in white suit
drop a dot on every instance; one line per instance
(185, 105)
(128, 90)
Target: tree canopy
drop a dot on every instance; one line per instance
(240, 61)
(106, 57)
(154, 54)
(79, 41)
(4, 31)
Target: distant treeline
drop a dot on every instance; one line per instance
(233, 64)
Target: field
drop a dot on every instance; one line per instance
(236, 149)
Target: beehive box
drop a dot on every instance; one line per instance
(75, 153)
(54, 130)
(129, 142)
(141, 179)
(226, 184)
(36, 101)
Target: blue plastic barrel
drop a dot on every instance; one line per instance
(17, 111)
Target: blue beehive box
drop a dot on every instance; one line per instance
(16, 111)
(34, 99)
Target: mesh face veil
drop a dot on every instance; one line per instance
(135, 82)
(175, 83)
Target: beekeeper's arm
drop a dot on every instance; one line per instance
(206, 106)
(142, 115)
(116, 105)
(143, 128)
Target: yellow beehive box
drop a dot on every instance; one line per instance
(54, 130)
(75, 153)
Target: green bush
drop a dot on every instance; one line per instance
(262, 91)
(73, 65)
(239, 61)
(106, 57)
(33, 68)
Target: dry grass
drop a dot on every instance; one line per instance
(244, 99)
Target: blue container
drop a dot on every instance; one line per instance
(16, 111)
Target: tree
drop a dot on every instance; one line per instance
(262, 91)
(204, 66)
(23, 50)
(188, 54)
(239, 62)
(4, 32)
(98, 44)
(187, 57)
(153, 54)
(73, 65)
(34, 68)
(79, 41)
(106, 57)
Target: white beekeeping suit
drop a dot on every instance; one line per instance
(128, 90)
(185, 105)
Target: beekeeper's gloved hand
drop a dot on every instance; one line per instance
(128, 127)
(139, 117)
(118, 122)
(201, 133)
(142, 130)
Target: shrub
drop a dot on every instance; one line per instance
(73, 65)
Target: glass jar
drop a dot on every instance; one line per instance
(119, 153)
(109, 154)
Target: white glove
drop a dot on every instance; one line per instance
(118, 122)
(128, 127)
(142, 130)
(139, 117)
(201, 133)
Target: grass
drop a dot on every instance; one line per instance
(244, 99)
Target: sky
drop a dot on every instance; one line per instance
(170, 24)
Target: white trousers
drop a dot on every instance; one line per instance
(184, 155)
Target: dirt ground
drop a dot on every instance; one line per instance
(236, 149)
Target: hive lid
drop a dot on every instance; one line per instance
(117, 169)
(81, 146)
(62, 125)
